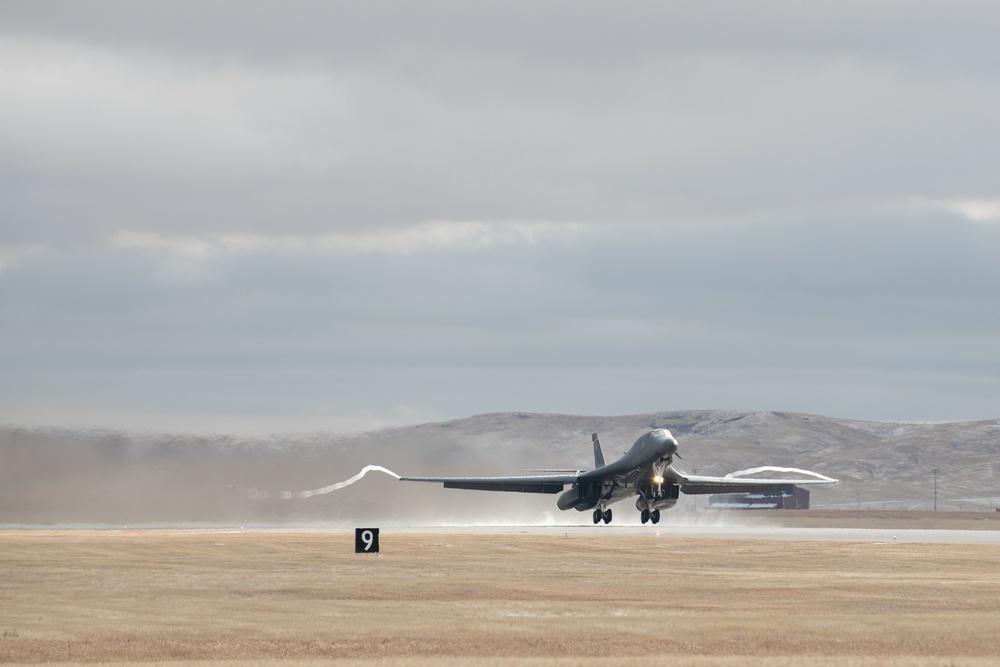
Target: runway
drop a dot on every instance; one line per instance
(777, 533)
(982, 528)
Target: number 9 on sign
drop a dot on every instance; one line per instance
(366, 540)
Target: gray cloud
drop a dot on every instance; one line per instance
(315, 213)
(584, 35)
(816, 317)
(317, 117)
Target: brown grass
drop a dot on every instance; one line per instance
(874, 519)
(283, 598)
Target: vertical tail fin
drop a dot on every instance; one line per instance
(598, 454)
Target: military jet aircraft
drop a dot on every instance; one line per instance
(646, 470)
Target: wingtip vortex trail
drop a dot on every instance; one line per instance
(340, 485)
(754, 471)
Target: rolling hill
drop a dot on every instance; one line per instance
(53, 476)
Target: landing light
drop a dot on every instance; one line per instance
(658, 479)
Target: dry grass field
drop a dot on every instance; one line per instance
(869, 519)
(298, 598)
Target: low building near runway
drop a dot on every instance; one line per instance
(791, 499)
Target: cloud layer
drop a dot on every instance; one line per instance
(314, 214)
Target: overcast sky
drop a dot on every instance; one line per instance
(252, 216)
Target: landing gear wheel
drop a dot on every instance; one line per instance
(644, 517)
(654, 516)
(607, 516)
(597, 516)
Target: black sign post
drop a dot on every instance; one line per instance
(366, 540)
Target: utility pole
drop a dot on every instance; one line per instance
(935, 471)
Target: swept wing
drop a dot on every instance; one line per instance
(695, 484)
(523, 484)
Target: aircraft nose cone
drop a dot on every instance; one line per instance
(667, 443)
(671, 447)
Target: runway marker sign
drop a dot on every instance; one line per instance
(366, 540)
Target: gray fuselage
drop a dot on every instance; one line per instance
(643, 470)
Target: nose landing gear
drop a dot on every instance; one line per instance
(659, 469)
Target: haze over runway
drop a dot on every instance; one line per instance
(253, 216)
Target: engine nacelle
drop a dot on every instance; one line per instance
(581, 497)
(655, 504)
(661, 498)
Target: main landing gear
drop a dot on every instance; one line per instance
(602, 514)
(647, 516)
